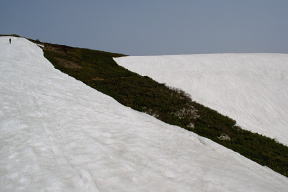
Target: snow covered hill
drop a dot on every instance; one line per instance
(57, 134)
(250, 88)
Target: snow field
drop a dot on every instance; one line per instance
(250, 88)
(57, 134)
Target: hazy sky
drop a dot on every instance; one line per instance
(151, 27)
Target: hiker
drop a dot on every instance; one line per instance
(10, 40)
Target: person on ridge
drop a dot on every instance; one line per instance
(10, 40)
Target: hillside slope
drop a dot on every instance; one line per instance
(250, 88)
(98, 70)
(57, 134)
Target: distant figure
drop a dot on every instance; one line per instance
(10, 40)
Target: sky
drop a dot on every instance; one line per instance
(152, 27)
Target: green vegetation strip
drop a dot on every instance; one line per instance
(97, 69)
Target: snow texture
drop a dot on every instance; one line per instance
(57, 135)
(250, 88)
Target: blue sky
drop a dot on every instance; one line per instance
(152, 27)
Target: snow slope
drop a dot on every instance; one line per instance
(250, 88)
(57, 134)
